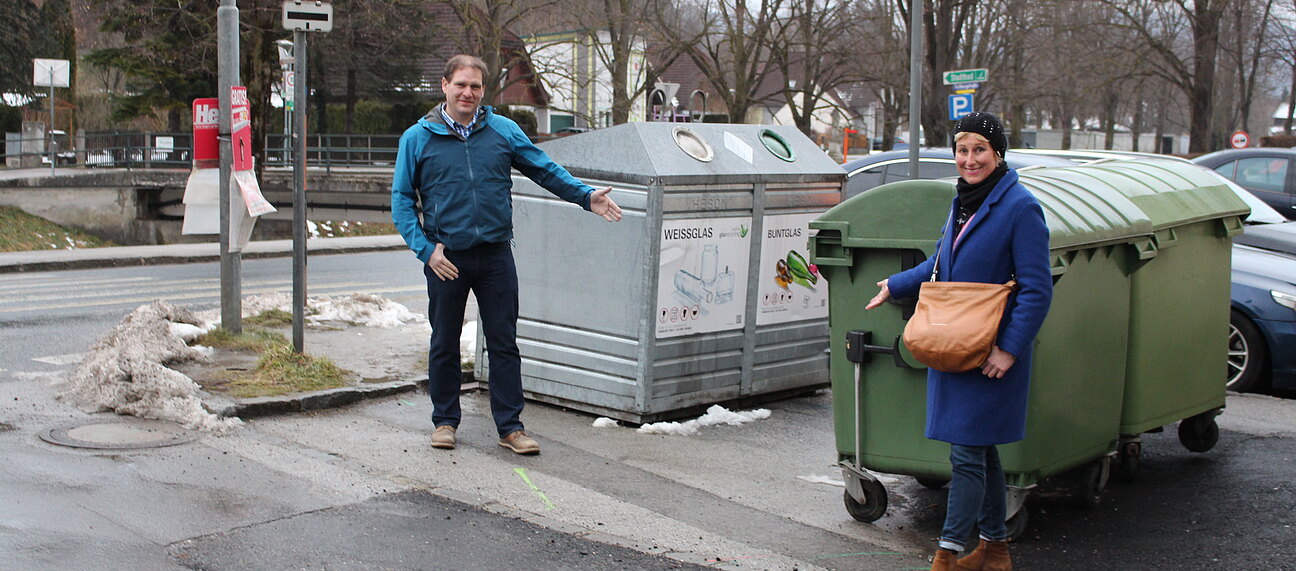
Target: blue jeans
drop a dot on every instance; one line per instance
(489, 272)
(978, 497)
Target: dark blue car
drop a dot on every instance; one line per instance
(1262, 326)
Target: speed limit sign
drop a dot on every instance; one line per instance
(1240, 140)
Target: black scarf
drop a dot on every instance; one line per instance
(972, 195)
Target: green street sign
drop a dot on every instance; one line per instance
(966, 76)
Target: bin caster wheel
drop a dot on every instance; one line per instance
(875, 502)
(1199, 433)
(1129, 460)
(1094, 481)
(932, 483)
(1017, 524)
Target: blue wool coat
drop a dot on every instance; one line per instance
(1007, 237)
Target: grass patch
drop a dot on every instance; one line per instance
(254, 339)
(270, 318)
(281, 371)
(22, 232)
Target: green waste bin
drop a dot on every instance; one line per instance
(1178, 339)
(1098, 237)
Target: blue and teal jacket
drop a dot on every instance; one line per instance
(462, 187)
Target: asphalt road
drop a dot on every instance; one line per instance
(358, 487)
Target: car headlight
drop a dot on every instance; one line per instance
(1284, 299)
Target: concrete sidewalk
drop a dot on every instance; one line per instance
(45, 260)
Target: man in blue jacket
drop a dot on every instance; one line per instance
(451, 202)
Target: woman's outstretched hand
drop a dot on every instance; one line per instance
(881, 296)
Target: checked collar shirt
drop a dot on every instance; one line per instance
(463, 131)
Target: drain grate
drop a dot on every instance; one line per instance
(119, 433)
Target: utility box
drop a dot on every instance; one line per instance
(702, 294)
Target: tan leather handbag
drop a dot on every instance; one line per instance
(954, 326)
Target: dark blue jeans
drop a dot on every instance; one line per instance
(488, 271)
(978, 497)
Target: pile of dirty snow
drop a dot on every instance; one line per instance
(126, 371)
(361, 309)
(715, 415)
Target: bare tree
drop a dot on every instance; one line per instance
(1250, 22)
(1190, 67)
(944, 23)
(732, 48)
(484, 28)
(810, 47)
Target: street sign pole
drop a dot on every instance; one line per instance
(53, 156)
(227, 17)
(301, 17)
(915, 83)
(299, 191)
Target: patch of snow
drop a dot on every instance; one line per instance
(186, 331)
(714, 416)
(823, 480)
(361, 309)
(126, 371)
(605, 422)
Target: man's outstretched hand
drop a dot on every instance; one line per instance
(602, 205)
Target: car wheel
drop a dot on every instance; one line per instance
(1247, 355)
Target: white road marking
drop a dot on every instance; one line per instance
(60, 359)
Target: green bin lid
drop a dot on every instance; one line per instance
(909, 214)
(1171, 193)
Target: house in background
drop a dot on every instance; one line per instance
(572, 72)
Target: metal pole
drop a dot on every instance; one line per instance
(299, 190)
(228, 74)
(52, 155)
(915, 82)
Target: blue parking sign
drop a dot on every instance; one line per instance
(959, 105)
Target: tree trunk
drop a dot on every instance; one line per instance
(1136, 124)
(1201, 104)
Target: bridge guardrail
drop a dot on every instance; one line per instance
(135, 150)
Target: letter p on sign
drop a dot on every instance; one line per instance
(959, 105)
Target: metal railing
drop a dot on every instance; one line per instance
(133, 150)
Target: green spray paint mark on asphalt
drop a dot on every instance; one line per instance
(525, 478)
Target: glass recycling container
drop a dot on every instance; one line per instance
(700, 295)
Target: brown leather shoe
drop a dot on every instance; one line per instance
(988, 556)
(519, 442)
(444, 437)
(945, 560)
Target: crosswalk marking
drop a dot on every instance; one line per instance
(60, 359)
(189, 285)
(322, 289)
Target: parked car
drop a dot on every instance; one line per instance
(1262, 323)
(1266, 172)
(891, 166)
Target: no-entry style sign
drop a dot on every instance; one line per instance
(1240, 140)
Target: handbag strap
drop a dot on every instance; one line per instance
(936, 265)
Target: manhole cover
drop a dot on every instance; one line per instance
(119, 434)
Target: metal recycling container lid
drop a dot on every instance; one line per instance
(910, 214)
(1171, 193)
(694, 153)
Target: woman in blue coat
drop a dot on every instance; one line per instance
(996, 232)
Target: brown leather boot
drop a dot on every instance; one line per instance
(945, 560)
(988, 556)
